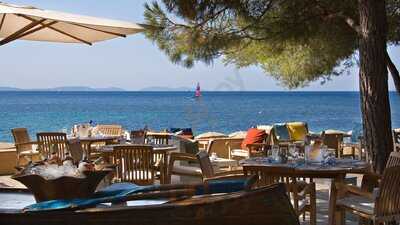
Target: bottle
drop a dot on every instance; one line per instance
(99, 163)
(85, 165)
(54, 159)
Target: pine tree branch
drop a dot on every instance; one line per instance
(394, 72)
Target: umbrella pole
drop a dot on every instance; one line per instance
(16, 34)
(2, 21)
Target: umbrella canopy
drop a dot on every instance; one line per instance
(30, 23)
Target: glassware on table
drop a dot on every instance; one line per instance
(324, 151)
(275, 152)
(293, 151)
(307, 150)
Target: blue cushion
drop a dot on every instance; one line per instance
(281, 132)
(110, 194)
(222, 186)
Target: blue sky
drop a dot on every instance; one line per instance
(132, 63)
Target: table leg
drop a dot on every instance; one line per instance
(164, 169)
(335, 217)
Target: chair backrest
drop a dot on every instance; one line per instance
(279, 132)
(297, 130)
(394, 159)
(332, 140)
(76, 150)
(223, 146)
(205, 164)
(138, 136)
(112, 130)
(268, 175)
(388, 200)
(134, 164)
(49, 140)
(159, 139)
(396, 139)
(21, 135)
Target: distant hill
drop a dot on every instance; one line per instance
(66, 88)
(9, 89)
(166, 89)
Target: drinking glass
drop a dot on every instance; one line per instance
(307, 152)
(292, 150)
(275, 152)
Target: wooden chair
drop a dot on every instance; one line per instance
(76, 150)
(158, 139)
(24, 146)
(134, 163)
(303, 194)
(334, 141)
(207, 168)
(223, 146)
(380, 207)
(111, 130)
(138, 136)
(190, 170)
(49, 140)
(396, 139)
(252, 150)
(276, 139)
(371, 180)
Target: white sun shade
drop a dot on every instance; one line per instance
(30, 23)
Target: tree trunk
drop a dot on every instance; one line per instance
(373, 74)
(394, 72)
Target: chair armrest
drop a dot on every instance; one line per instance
(182, 157)
(178, 156)
(370, 181)
(349, 189)
(27, 143)
(259, 145)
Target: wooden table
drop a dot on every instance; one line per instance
(160, 149)
(336, 173)
(86, 142)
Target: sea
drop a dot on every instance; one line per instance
(224, 112)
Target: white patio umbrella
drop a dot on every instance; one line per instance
(30, 23)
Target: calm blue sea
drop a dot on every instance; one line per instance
(215, 111)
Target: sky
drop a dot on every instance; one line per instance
(130, 63)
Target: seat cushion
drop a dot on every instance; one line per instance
(297, 131)
(253, 136)
(187, 170)
(281, 132)
(358, 203)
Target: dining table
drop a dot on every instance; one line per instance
(335, 171)
(161, 149)
(87, 142)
